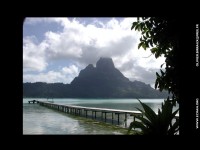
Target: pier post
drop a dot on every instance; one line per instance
(125, 119)
(86, 113)
(117, 117)
(112, 117)
(79, 112)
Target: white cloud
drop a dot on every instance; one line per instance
(33, 55)
(51, 76)
(62, 46)
(72, 70)
(65, 75)
(85, 44)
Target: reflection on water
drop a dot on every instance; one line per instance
(41, 120)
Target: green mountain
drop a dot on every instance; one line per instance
(102, 81)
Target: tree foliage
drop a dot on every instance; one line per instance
(156, 124)
(160, 34)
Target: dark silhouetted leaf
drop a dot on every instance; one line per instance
(162, 65)
(133, 25)
(162, 72)
(158, 76)
(144, 46)
(149, 113)
(137, 124)
(140, 45)
(153, 50)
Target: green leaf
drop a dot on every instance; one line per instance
(153, 50)
(151, 43)
(147, 34)
(133, 25)
(139, 27)
(162, 65)
(157, 54)
(137, 124)
(174, 128)
(145, 29)
(144, 121)
(142, 26)
(174, 113)
(156, 84)
(149, 113)
(162, 72)
(158, 76)
(159, 112)
(144, 46)
(167, 111)
(140, 110)
(136, 27)
(147, 44)
(144, 37)
(139, 45)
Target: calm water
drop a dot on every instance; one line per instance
(41, 120)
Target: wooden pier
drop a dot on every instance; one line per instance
(114, 116)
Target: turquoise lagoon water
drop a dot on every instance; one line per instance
(41, 120)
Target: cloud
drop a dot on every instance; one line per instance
(83, 41)
(71, 70)
(139, 68)
(145, 75)
(79, 41)
(62, 46)
(51, 76)
(65, 75)
(33, 55)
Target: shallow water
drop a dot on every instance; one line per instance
(41, 120)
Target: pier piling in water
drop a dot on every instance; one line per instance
(88, 112)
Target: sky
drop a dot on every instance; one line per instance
(56, 49)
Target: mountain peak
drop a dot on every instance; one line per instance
(90, 66)
(105, 62)
(102, 81)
